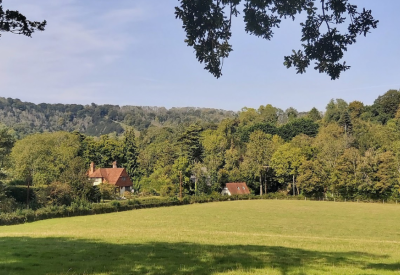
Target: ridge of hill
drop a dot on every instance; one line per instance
(95, 120)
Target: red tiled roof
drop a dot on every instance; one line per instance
(114, 176)
(237, 188)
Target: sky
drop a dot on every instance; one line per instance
(132, 52)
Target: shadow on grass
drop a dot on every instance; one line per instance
(75, 256)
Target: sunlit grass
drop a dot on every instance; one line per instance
(240, 237)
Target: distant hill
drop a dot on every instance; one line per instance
(96, 120)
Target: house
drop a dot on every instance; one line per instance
(235, 188)
(115, 176)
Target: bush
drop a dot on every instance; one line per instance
(107, 191)
(60, 193)
(168, 190)
(19, 192)
(128, 195)
(84, 207)
(7, 205)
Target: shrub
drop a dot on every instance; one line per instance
(60, 193)
(19, 192)
(128, 195)
(116, 204)
(107, 191)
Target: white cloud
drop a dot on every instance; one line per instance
(79, 42)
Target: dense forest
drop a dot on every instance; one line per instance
(95, 120)
(349, 151)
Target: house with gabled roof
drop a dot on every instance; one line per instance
(115, 176)
(235, 188)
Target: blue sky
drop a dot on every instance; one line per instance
(131, 52)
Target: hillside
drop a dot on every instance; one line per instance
(96, 120)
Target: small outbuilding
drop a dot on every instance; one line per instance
(114, 176)
(235, 188)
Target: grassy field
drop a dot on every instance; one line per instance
(240, 237)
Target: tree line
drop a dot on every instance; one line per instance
(349, 151)
(96, 120)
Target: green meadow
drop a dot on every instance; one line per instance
(238, 237)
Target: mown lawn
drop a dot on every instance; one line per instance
(240, 237)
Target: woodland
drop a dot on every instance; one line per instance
(349, 151)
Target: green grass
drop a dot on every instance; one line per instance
(240, 237)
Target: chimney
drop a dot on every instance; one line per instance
(92, 168)
(115, 164)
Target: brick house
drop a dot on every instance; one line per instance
(115, 176)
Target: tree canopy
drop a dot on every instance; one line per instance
(17, 23)
(208, 27)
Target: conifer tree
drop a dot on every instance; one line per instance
(130, 152)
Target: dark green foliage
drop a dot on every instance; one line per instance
(335, 109)
(345, 122)
(388, 103)
(314, 114)
(104, 127)
(268, 128)
(130, 153)
(81, 209)
(15, 22)
(384, 107)
(341, 156)
(286, 131)
(96, 120)
(19, 194)
(208, 30)
(297, 127)
(190, 143)
(7, 203)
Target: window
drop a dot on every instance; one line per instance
(238, 188)
(243, 187)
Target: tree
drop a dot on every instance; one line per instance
(258, 154)
(214, 145)
(291, 113)
(130, 153)
(345, 122)
(312, 178)
(314, 114)
(385, 106)
(182, 167)
(15, 22)
(190, 143)
(330, 144)
(248, 116)
(41, 159)
(298, 126)
(356, 108)
(286, 162)
(379, 174)
(7, 141)
(75, 175)
(346, 176)
(6, 204)
(200, 177)
(335, 109)
(268, 114)
(208, 29)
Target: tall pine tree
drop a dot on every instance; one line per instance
(130, 152)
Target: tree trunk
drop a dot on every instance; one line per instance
(261, 193)
(27, 197)
(294, 188)
(265, 185)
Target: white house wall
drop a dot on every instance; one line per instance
(97, 181)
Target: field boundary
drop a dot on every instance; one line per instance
(84, 209)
